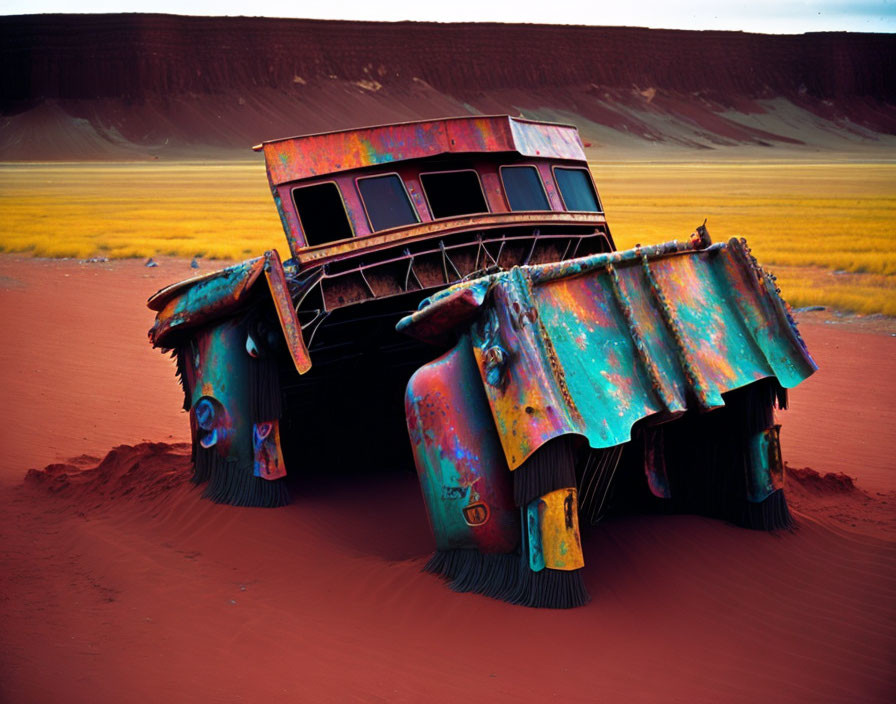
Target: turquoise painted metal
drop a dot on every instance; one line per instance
(216, 369)
(232, 446)
(766, 474)
(598, 351)
(189, 305)
(210, 321)
(461, 460)
(592, 346)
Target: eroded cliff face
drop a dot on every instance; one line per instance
(125, 84)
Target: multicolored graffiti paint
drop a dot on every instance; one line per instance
(598, 344)
(299, 158)
(590, 349)
(213, 322)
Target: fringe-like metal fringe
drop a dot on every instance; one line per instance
(771, 514)
(179, 356)
(206, 463)
(238, 486)
(552, 466)
(719, 496)
(508, 577)
(708, 462)
(265, 394)
(756, 403)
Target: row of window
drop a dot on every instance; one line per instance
(448, 194)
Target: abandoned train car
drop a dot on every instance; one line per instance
(565, 372)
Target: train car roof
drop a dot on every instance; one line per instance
(314, 155)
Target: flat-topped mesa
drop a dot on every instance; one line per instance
(563, 359)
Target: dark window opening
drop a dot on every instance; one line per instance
(322, 213)
(523, 187)
(453, 193)
(577, 190)
(386, 201)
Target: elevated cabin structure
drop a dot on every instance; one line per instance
(404, 208)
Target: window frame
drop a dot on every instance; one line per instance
(600, 205)
(544, 190)
(420, 176)
(406, 195)
(348, 218)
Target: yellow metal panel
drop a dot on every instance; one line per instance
(560, 540)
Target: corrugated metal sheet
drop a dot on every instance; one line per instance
(591, 346)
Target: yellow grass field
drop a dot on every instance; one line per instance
(804, 221)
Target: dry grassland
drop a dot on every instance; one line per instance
(218, 210)
(803, 221)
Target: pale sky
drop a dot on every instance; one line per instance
(767, 16)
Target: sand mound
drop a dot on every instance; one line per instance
(833, 499)
(142, 472)
(827, 483)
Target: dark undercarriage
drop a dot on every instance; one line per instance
(347, 415)
(347, 412)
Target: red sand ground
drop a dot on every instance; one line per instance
(120, 584)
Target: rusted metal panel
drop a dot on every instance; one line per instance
(199, 301)
(305, 157)
(421, 231)
(463, 474)
(557, 354)
(546, 140)
(268, 456)
(217, 369)
(454, 312)
(217, 376)
(766, 473)
(232, 274)
(288, 218)
(553, 525)
(286, 312)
